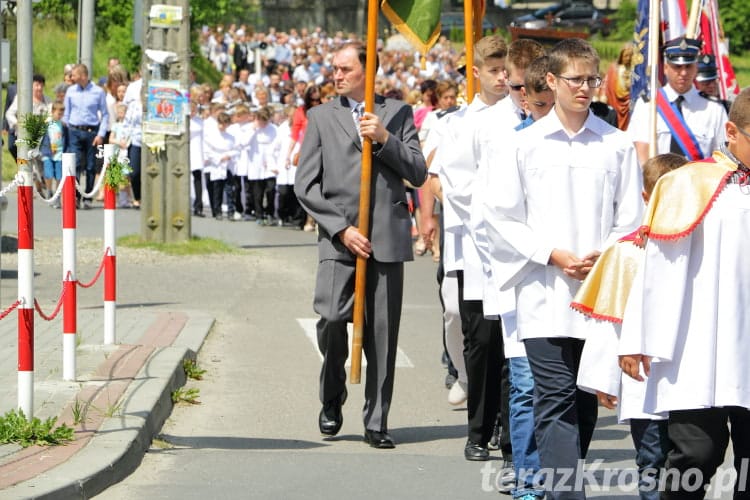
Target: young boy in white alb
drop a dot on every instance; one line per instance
(569, 188)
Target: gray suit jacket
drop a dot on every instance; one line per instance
(327, 181)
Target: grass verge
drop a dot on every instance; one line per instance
(195, 246)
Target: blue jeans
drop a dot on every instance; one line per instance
(81, 143)
(525, 454)
(652, 444)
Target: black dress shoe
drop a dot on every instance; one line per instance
(331, 419)
(476, 452)
(379, 439)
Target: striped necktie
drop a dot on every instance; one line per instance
(357, 114)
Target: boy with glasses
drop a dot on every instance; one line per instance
(567, 188)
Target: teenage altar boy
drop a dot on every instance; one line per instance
(568, 189)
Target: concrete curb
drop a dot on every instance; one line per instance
(118, 446)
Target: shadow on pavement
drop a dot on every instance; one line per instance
(285, 245)
(236, 443)
(426, 434)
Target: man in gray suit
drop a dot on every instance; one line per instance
(327, 184)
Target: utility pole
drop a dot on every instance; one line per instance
(86, 34)
(165, 172)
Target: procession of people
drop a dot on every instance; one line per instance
(583, 261)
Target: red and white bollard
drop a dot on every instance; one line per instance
(26, 290)
(70, 280)
(110, 249)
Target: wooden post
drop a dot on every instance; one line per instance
(165, 174)
(360, 273)
(469, 49)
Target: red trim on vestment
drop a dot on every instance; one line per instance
(589, 311)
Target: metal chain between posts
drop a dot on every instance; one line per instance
(10, 309)
(107, 252)
(57, 307)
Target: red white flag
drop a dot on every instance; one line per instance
(715, 44)
(673, 19)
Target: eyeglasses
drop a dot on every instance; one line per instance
(516, 87)
(746, 134)
(594, 82)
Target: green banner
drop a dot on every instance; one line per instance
(417, 20)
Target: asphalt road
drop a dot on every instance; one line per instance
(255, 434)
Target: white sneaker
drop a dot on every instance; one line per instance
(237, 216)
(457, 395)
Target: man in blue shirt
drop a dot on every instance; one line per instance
(86, 116)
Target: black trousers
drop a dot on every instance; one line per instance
(217, 196)
(289, 208)
(564, 416)
(264, 190)
(700, 438)
(198, 188)
(483, 353)
(134, 156)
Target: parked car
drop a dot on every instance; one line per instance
(574, 16)
(584, 17)
(540, 18)
(455, 20)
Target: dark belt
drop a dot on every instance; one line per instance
(87, 128)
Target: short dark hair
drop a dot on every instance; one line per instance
(739, 113)
(570, 49)
(39, 78)
(655, 167)
(428, 84)
(535, 79)
(361, 52)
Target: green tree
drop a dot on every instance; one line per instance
(60, 11)
(624, 20)
(734, 15)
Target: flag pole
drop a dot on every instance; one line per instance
(469, 45)
(360, 272)
(653, 64)
(692, 25)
